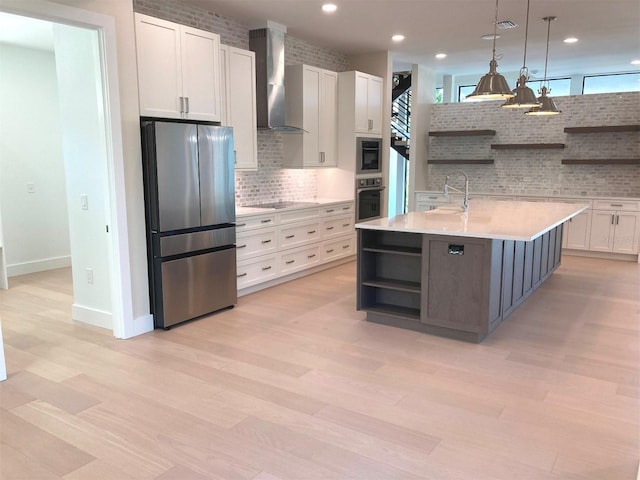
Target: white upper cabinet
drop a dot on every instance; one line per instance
(361, 102)
(238, 78)
(311, 104)
(178, 70)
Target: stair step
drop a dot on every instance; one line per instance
(400, 143)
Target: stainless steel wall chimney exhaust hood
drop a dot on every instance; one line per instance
(268, 44)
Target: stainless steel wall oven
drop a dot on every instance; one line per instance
(368, 155)
(369, 198)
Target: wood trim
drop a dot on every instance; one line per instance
(601, 161)
(603, 129)
(456, 161)
(461, 133)
(526, 146)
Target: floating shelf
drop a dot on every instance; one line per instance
(457, 161)
(461, 133)
(601, 161)
(526, 146)
(603, 129)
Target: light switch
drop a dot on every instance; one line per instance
(84, 202)
(31, 188)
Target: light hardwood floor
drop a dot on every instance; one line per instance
(293, 383)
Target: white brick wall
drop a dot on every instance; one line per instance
(540, 172)
(270, 182)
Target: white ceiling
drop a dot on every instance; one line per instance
(608, 30)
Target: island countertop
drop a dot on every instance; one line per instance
(502, 220)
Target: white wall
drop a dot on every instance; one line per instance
(36, 230)
(85, 161)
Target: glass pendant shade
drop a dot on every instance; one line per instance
(491, 86)
(547, 105)
(524, 96)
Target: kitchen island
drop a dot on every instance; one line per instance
(458, 273)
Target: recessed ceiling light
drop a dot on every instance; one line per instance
(397, 37)
(440, 56)
(570, 40)
(329, 7)
(489, 36)
(635, 62)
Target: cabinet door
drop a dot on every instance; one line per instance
(224, 86)
(374, 104)
(328, 122)
(577, 231)
(159, 77)
(311, 79)
(602, 226)
(361, 103)
(627, 231)
(200, 74)
(242, 107)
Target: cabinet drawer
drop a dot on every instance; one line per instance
(338, 248)
(298, 215)
(435, 197)
(294, 235)
(577, 201)
(338, 209)
(299, 259)
(629, 205)
(334, 227)
(256, 270)
(257, 221)
(258, 242)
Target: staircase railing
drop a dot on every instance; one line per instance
(401, 123)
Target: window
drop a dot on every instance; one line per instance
(437, 97)
(558, 87)
(617, 82)
(464, 90)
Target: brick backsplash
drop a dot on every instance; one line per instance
(540, 172)
(270, 181)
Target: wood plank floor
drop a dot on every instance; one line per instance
(293, 383)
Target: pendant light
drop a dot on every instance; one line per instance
(548, 106)
(491, 86)
(524, 98)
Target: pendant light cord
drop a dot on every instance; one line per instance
(495, 31)
(524, 70)
(546, 58)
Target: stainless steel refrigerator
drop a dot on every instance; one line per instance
(189, 191)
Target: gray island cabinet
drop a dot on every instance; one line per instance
(458, 273)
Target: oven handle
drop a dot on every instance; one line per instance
(367, 189)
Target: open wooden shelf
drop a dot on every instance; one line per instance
(395, 249)
(394, 310)
(601, 161)
(526, 146)
(400, 285)
(603, 129)
(461, 133)
(459, 161)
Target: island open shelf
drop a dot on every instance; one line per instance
(454, 273)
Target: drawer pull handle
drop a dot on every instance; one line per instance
(311, 232)
(289, 236)
(330, 210)
(617, 205)
(290, 262)
(329, 228)
(329, 251)
(241, 224)
(242, 275)
(266, 241)
(346, 208)
(345, 246)
(346, 224)
(266, 268)
(265, 221)
(311, 256)
(241, 246)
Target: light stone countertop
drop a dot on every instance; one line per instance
(501, 220)
(316, 202)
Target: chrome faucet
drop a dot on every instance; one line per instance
(447, 187)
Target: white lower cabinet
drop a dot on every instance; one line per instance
(577, 231)
(274, 245)
(615, 231)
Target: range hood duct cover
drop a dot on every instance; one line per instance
(268, 45)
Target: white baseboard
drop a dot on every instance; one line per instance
(38, 266)
(142, 325)
(92, 316)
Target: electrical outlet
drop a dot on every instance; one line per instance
(31, 188)
(89, 275)
(300, 182)
(84, 202)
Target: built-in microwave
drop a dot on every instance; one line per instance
(368, 155)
